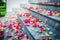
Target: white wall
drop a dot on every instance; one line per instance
(15, 4)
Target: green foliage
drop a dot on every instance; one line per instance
(2, 8)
